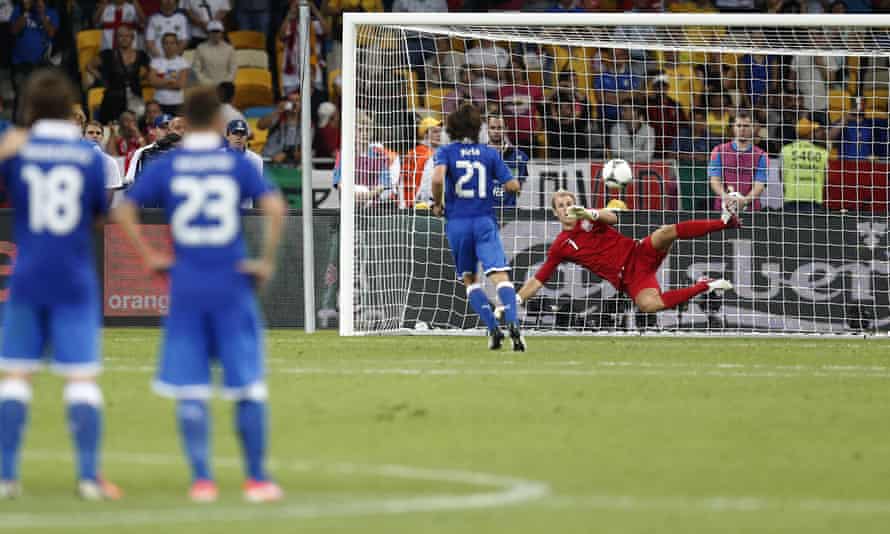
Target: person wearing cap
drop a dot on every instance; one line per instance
(214, 60)
(236, 136)
(804, 168)
(417, 173)
(169, 132)
(203, 13)
(326, 142)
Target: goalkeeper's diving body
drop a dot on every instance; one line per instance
(464, 178)
(589, 240)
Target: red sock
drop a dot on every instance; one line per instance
(698, 228)
(679, 296)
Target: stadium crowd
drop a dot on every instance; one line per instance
(133, 60)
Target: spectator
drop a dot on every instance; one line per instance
(33, 28)
(169, 134)
(236, 139)
(695, 140)
(283, 143)
(94, 132)
(568, 131)
(614, 83)
(515, 158)
(117, 14)
(121, 70)
(861, 138)
(125, 137)
(169, 75)
(521, 104)
(631, 138)
(376, 168)
(665, 116)
(253, 15)
(146, 122)
(815, 75)
(443, 67)
(485, 62)
(326, 143)
(739, 166)
(201, 13)
(214, 61)
(804, 167)
(417, 172)
(226, 92)
(760, 74)
(168, 20)
(289, 35)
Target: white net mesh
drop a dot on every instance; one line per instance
(560, 101)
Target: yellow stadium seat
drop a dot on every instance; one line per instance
(148, 93)
(94, 100)
(435, 100)
(85, 55)
(874, 103)
(253, 87)
(89, 39)
(839, 104)
(258, 141)
(252, 58)
(244, 39)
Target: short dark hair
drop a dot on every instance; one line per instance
(169, 34)
(742, 114)
(49, 94)
(464, 123)
(226, 91)
(201, 106)
(93, 123)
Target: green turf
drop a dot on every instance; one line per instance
(435, 435)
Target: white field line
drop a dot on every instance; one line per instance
(719, 504)
(499, 491)
(582, 369)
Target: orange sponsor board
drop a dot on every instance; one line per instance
(130, 290)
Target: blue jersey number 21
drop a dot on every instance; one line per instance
(470, 168)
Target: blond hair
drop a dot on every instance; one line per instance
(562, 193)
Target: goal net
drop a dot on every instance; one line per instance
(561, 95)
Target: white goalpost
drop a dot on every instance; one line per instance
(560, 95)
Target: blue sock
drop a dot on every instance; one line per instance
(252, 428)
(13, 415)
(507, 296)
(194, 428)
(85, 425)
(480, 303)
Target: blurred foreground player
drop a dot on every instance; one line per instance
(56, 182)
(213, 309)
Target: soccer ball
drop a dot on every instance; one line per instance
(617, 174)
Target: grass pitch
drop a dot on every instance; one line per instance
(439, 435)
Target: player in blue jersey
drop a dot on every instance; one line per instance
(213, 310)
(56, 182)
(464, 180)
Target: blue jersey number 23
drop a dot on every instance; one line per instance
(470, 169)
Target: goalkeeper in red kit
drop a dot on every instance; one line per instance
(589, 240)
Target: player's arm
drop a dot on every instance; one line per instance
(504, 176)
(438, 186)
(715, 173)
(11, 142)
(512, 186)
(761, 175)
(273, 207)
(528, 290)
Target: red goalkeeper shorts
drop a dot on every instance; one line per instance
(641, 267)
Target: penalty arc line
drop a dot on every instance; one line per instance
(508, 491)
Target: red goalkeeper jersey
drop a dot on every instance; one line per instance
(595, 246)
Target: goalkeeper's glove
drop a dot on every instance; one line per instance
(499, 311)
(580, 212)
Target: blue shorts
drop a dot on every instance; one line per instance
(474, 240)
(71, 330)
(195, 335)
